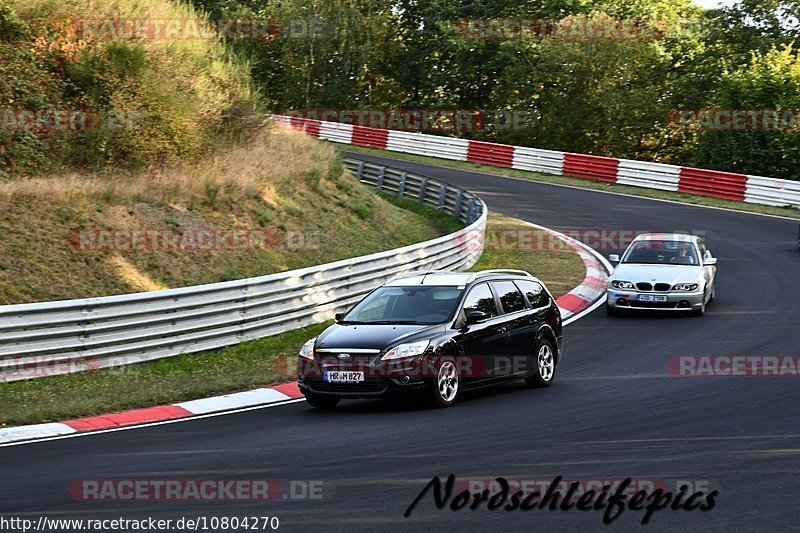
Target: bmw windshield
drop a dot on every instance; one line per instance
(417, 304)
(661, 252)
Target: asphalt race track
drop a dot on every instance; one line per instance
(614, 412)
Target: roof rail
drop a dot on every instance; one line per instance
(473, 275)
(483, 273)
(419, 273)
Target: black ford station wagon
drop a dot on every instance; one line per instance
(433, 335)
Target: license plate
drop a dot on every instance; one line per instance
(652, 298)
(339, 376)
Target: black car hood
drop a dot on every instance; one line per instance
(374, 336)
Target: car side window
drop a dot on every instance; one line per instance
(510, 297)
(480, 298)
(535, 293)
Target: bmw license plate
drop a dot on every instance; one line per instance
(338, 376)
(652, 298)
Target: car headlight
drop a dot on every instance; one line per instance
(685, 287)
(406, 350)
(621, 284)
(307, 350)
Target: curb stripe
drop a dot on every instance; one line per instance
(203, 406)
(128, 417)
(572, 303)
(289, 389)
(232, 401)
(36, 431)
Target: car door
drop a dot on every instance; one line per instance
(483, 342)
(519, 319)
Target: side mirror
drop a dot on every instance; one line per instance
(614, 258)
(473, 317)
(710, 261)
(338, 317)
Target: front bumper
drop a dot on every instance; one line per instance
(370, 388)
(675, 301)
(380, 379)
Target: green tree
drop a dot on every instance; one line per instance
(770, 81)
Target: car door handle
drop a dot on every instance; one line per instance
(502, 329)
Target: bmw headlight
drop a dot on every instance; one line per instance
(685, 287)
(307, 350)
(621, 284)
(406, 350)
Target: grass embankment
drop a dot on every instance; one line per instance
(247, 365)
(786, 211)
(174, 153)
(137, 99)
(288, 194)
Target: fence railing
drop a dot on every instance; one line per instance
(48, 338)
(714, 183)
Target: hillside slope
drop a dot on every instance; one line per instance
(170, 175)
(281, 202)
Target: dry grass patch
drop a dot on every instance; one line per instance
(559, 267)
(290, 193)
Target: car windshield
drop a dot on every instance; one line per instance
(405, 305)
(661, 252)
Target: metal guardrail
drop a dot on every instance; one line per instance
(538, 160)
(49, 338)
(771, 191)
(717, 184)
(430, 145)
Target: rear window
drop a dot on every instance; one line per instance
(510, 297)
(534, 292)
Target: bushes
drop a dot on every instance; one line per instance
(150, 102)
(770, 82)
(11, 27)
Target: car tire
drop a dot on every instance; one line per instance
(446, 386)
(612, 311)
(322, 402)
(544, 360)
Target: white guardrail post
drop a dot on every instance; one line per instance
(49, 338)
